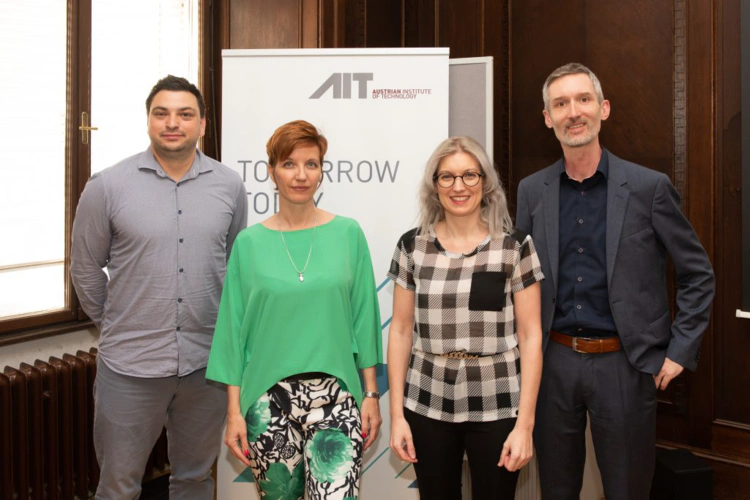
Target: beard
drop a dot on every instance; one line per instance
(578, 140)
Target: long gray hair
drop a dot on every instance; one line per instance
(494, 207)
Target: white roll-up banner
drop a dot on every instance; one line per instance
(383, 112)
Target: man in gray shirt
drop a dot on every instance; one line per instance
(162, 222)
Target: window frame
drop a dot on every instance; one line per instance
(22, 328)
(77, 159)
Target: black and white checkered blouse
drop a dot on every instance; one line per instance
(464, 306)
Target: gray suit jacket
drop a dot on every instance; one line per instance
(644, 224)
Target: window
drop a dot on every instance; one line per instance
(50, 88)
(135, 43)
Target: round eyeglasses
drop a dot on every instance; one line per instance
(446, 180)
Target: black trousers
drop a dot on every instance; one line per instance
(619, 400)
(440, 448)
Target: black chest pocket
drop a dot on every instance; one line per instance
(487, 291)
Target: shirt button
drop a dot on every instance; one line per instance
(181, 240)
(180, 300)
(583, 193)
(580, 221)
(580, 250)
(179, 211)
(178, 328)
(182, 270)
(580, 278)
(579, 307)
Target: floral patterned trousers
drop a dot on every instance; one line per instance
(305, 432)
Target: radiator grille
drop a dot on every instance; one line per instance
(46, 430)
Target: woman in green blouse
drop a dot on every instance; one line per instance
(298, 317)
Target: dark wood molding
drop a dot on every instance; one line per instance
(679, 86)
(78, 161)
(709, 454)
(699, 197)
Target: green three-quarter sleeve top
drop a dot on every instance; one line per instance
(271, 325)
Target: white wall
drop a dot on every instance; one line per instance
(27, 352)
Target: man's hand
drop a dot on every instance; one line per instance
(669, 370)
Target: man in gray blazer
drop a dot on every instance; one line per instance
(603, 227)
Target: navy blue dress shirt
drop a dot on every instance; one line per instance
(582, 300)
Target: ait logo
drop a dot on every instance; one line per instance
(341, 83)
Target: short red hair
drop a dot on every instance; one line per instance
(291, 135)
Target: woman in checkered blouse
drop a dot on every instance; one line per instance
(466, 323)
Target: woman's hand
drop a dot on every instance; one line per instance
(401, 440)
(517, 450)
(236, 437)
(371, 420)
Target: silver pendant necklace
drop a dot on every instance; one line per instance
(309, 253)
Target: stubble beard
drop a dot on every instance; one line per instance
(578, 141)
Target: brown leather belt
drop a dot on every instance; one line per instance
(586, 345)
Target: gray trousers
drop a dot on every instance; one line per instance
(129, 415)
(619, 400)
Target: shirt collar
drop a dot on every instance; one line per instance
(603, 166)
(199, 166)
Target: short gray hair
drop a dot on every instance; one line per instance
(494, 207)
(571, 69)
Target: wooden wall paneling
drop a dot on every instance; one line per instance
(384, 23)
(259, 24)
(731, 439)
(353, 30)
(214, 27)
(543, 36)
(731, 481)
(731, 339)
(698, 195)
(629, 47)
(214, 38)
(460, 27)
(310, 24)
(496, 43)
(420, 28)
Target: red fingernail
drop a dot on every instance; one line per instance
(247, 453)
(364, 434)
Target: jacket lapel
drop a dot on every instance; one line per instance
(617, 201)
(551, 203)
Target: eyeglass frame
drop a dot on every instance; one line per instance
(435, 178)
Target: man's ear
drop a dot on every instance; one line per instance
(547, 119)
(605, 109)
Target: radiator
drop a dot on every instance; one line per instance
(46, 430)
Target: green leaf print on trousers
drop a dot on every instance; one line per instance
(280, 485)
(329, 455)
(257, 418)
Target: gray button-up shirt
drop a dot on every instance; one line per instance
(165, 245)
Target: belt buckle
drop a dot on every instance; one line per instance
(574, 346)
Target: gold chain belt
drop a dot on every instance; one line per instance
(459, 355)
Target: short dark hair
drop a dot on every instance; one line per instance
(176, 84)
